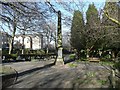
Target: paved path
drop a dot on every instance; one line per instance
(25, 66)
(71, 75)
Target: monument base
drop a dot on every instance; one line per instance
(59, 61)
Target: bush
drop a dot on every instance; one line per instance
(5, 51)
(118, 55)
(117, 63)
(16, 51)
(72, 56)
(82, 54)
(27, 51)
(84, 59)
(106, 57)
(66, 51)
(40, 52)
(52, 50)
(14, 56)
(10, 56)
(32, 52)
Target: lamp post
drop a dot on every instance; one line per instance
(59, 60)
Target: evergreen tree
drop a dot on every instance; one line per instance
(112, 11)
(93, 32)
(77, 31)
(111, 29)
(92, 16)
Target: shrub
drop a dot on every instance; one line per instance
(10, 56)
(106, 57)
(72, 56)
(117, 64)
(40, 52)
(66, 51)
(4, 51)
(27, 51)
(84, 59)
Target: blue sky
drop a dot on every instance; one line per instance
(98, 3)
(76, 5)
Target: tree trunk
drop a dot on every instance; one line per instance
(55, 43)
(13, 35)
(47, 45)
(11, 46)
(12, 39)
(87, 54)
(23, 45)
(31, 43)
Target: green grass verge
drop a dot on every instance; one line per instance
(6, 70)
(107, 63)
(102, 82)
(72, 65)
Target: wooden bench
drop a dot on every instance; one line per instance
(94, 59)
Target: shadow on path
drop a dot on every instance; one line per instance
(35, 69)
(84, 75)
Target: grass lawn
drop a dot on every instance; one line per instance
(6, 70)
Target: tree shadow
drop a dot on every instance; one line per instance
(35, 69)
(10, 78)
(50, 81)
(61, 79)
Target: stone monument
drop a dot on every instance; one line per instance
(59, 42)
